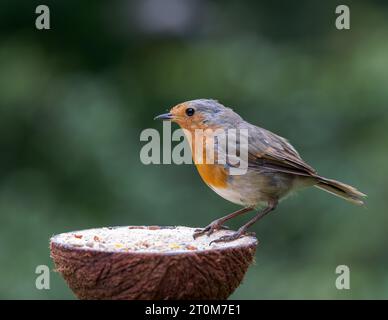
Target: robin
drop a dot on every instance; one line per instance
(275, 169)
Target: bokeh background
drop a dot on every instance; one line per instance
(74, 99)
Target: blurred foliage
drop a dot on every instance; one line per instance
(74, 99)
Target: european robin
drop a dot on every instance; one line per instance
(274, 170)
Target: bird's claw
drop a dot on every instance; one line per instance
(234, 236)
(208, 230)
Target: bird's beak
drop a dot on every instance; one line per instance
(164, 116)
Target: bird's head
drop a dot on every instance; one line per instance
(201, 114)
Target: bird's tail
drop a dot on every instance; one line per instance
(341, 190)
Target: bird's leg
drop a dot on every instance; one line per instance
(217, 224)
(242, 230)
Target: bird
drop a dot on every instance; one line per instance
(274, 167)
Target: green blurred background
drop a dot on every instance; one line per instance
(74, 99)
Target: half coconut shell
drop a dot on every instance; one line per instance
(151, 263)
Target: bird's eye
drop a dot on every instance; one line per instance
(190, 111)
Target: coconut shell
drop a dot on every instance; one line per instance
(194, 274)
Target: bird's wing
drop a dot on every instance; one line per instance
(269, 151)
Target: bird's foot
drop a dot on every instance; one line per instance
(236, 235)
(210, 229)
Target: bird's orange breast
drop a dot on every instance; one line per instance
(213, 174)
